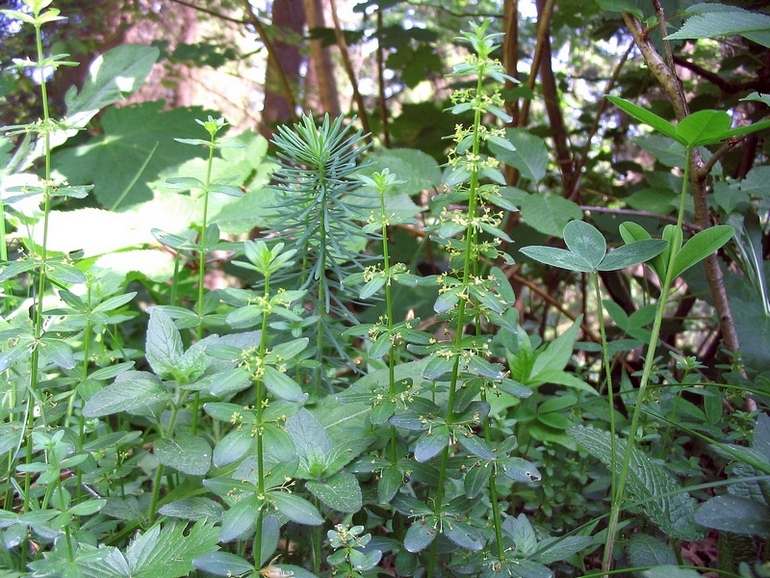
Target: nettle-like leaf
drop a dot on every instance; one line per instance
(112, 76)
(187, 453)
(340, 492)
(715, 20)
(161, 552)
(138, 136)
(661, 496)
(135, 392)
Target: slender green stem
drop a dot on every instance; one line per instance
(607, 382)
(204, 225)
(618, 496)
(458, 337)
(393, 353)
(260, 406)
(42, 281)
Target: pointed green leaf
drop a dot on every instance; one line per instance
(193, 509)
(476, 479)
(57, 351)
(463, 535)
(278, 443)
(164, 344)
(647, 117)
(700, 246)
(524, 151)
(520, 470)
(185, 183)
(240, 521)
(476, 446)
(65, 274)
(742, 130)
(703, 127)
(548, 213)
(391, 479)
(223, 564)
(558, 353)
(111, 77)
(282, 386)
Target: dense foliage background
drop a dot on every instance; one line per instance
(320, 288)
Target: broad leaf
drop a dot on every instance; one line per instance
(223, 564)
(341, 492)
(113, 76)
(232, 447)
(57, 351)
(240, 521)
(703, 127)
(558, 353)
(418, 170)
(282, 386)
(419, 535)
(164, 347)
(169, 551)
(193, 509)
(520, 470)
(735, 514)
(138, 135)
(585, 240)
(463, 535)
(548, 214)
(431, 443)
(644, 550)
(530, 157)
(187, 453)
(551, 550)
(717, 20)
(133, 392)
(663, 500)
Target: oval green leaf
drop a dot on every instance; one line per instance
(632, 254)
(585, 240)
(700, 246)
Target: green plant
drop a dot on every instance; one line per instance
(377, 389)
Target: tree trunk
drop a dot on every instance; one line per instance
(321, 66)
(288, 25)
